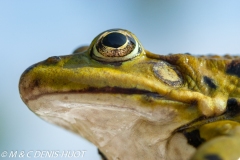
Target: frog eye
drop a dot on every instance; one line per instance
(115, 45)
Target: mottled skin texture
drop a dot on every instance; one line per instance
(163, 106)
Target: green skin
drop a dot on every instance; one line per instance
(166, 97)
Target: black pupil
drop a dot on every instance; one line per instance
(114, 40)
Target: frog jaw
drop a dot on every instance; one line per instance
(109, 120)
(51, 77)
(61, 95)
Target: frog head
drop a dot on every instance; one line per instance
(127, 101)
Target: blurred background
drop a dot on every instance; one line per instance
(31, 31)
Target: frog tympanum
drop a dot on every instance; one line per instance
(133, 104)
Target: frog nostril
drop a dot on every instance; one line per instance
(53, 59)
(81, 49)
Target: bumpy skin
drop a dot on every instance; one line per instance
(158, 101)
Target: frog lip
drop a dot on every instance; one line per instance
(118, 90)
(103, 90)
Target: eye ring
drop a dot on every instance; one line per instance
(115, 45)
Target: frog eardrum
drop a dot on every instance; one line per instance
(115, 45)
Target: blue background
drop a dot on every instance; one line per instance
(31, 31)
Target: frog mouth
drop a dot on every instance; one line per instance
(93, 90)
(118, 90)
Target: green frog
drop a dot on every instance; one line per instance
(134, 104)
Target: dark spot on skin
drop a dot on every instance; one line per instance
(102, 155)
(232, 105)
(36, 83)
(233, 108)
(209, 82)
(234, 68)
(194, 138)
(212, 157)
